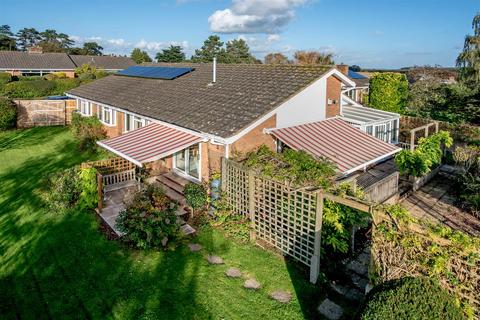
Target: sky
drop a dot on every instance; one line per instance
(368, 33)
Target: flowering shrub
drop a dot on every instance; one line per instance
(149, 219)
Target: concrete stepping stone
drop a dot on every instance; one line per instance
(233, 273)
(194, 247)
(330, 310)
(251, 284)
(281, 296)
(214, 260)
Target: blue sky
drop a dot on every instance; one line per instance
(370, 33)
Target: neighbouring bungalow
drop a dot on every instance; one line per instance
(181, 119)
(36, 63)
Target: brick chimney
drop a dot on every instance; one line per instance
(35, 49)
(343, 68)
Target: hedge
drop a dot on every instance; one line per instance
(5, 78)
(410, 298)
(389, 92)
(29, 89)
(8, 113)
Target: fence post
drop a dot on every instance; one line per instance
(251, 204)
(224, 174)
(315, 260)
(99, 190)
(412, 140)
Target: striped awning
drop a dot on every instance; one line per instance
(150, 143)
(348, 147)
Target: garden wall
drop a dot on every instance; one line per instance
(33, 113)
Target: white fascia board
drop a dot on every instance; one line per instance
(196, 133)
(364, 165)
(36, 69)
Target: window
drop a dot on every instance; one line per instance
(187, 161)
(85, 108)
(133, 122)
(369, 130)
(395, 131)
(107, 116)
(380, 132)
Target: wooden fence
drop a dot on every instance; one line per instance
(383, 189)
(33, 113)
(111, 173)
(282, 215)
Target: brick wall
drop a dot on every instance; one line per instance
(334, 90)
(32, 113)
(255, 138)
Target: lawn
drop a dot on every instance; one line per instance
(60, 266)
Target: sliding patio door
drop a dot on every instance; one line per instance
(187, 161)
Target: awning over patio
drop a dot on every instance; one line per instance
(349, 148)
(150, 143)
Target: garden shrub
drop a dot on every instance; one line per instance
(410, 298)
(89, 196)
(427, 155)
(63, 189)
(468, 157)
(87, 130)
(29, 89)
(63, 85)
(56, 75)
(8, 114)
(388, 91)
(5, 78)
(195, 195)
(149, 219)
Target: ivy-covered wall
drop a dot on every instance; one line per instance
(389, 92)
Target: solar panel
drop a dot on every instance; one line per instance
(355, 75)
(167, 73)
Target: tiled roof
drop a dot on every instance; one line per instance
(103, 62)
(241, 94)
(18, 60)
(14, 60)
(348, 147)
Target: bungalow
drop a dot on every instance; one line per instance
(36, 63)
(183, 118)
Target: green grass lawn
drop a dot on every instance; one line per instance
(60, 266)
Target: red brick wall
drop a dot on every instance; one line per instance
(334, 91)
(255, 138)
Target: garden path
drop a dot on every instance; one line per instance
(436, 201)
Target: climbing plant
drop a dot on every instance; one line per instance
(388, 91)
(427, 155)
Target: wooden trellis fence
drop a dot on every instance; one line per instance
(282, 215)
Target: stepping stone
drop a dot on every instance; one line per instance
(251, 284)
(214, 260)
(233, 273)
(359, 282)
(281, 296)
(330, 310)
(358, 267)
(194, 247)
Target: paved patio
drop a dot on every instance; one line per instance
(437, 201)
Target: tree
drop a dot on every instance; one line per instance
(355, 68)
(276, 58)
(313, 57)
(238, 52)
(27, 37)
(388, 91)
(7, 41)
(211, 47)
(469, 58)
(171, 54)
(52, 41)
(92, 49)
(140, 56)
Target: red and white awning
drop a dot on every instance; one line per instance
(150, 143)
(348, 147)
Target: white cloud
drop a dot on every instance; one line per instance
(117, 42)
(254, 16)
(273, 38)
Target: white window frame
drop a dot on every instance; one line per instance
(112, 114)
(184, 173)
(133, 118)
(84, 107)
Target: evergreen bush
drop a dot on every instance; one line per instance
(410, 298)
(29, 89)
(8, 114)
(87, 130)
(389, 92)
